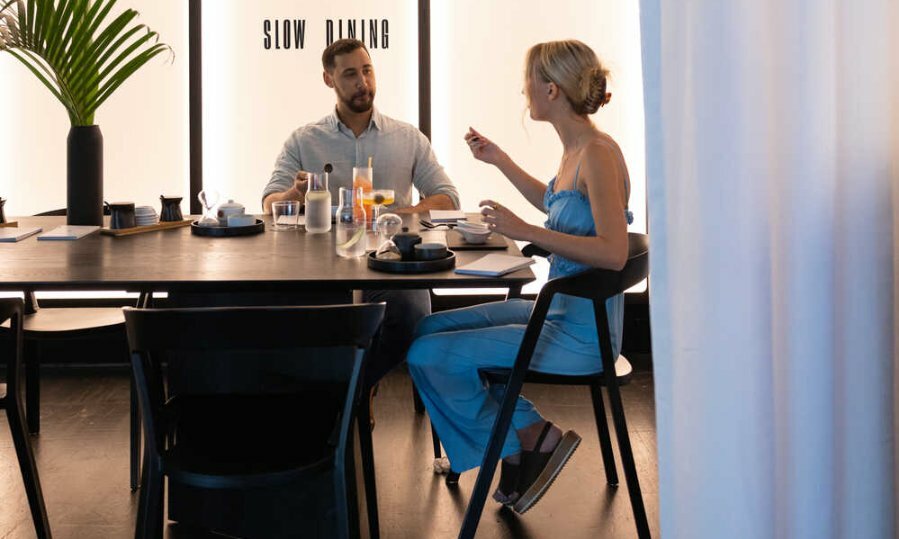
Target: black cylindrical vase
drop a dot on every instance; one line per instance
(84, 194)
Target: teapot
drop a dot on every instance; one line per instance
(405, 241)
(229, 208)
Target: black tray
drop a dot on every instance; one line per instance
(227, 231)
(412, 266)
(455, 241)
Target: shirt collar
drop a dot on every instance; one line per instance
(376, 121)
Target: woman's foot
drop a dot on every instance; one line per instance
(541, 466)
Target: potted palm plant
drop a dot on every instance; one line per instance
(82, 54)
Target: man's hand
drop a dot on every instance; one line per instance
(297, 191)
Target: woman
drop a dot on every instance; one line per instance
(586, 227)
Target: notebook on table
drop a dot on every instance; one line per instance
(446, 216)
(495, 265)
(12, 234)
(68, 232)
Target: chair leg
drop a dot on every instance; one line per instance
(368, 470)
(32, 387)
(150, 512)
(29, 470)
(416, 400)
(605, 440)
(438, 453)
(135, 439)
(627, 460)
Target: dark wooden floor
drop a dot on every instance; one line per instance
(82, 455)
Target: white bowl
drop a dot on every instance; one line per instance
(473, 227)
(474, 237)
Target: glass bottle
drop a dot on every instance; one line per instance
(318, 204)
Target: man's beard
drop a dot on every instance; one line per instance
(358, 105)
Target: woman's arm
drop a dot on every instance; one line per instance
(604, 181)
(483, 149)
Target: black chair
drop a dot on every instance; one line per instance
(597, 285)
(11, 400)
(223, 433)
(44, 325)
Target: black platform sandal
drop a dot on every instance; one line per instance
(539, 470)
(509, 476)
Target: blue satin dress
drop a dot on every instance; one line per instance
(451, 346)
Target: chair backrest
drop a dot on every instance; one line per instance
(325, 344)
(599, 284)
(12, 309)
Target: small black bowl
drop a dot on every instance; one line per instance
(429, 251)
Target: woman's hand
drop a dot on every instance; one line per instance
(482, 148)
(501, 219)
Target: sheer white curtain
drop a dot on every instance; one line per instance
(773, 162)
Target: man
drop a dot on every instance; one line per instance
(402, 158)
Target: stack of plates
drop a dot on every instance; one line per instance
(145, 215)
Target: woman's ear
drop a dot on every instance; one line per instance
(552, 91)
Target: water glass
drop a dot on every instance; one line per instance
(285, 214)
(351, 230)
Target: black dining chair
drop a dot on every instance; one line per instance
(597, 285)
(286, 419)
(11, 400)
(45, 325)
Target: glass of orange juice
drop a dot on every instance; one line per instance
(362, 178)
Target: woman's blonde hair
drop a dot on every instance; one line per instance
(573, 67)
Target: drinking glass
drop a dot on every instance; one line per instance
(362, 177)
(318, 204)
(378, 199)
(285, 214)
(351, 240)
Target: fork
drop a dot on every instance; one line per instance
(428, 224)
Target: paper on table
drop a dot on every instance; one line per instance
(494, 265)
(447, 216)
(69, 232)
(16, 234)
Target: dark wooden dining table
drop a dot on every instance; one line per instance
(176, 260)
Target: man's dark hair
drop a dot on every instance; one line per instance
(341, 46)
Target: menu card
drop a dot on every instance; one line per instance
(447, 216)
(11, 234)
(494, 265)
(68, 232)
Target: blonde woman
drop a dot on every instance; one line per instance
(586, 227)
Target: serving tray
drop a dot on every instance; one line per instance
(227, 231)
(455, 241)
(162, 225)
(412, 266)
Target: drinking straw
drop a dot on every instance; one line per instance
(369, 161)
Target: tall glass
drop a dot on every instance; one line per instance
(318, 204)
(362, 178)
(351, 240)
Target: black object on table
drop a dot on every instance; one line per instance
(227, 231)
(412, 266)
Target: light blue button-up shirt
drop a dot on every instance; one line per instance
(401, 158)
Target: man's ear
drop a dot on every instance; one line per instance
(329, 80)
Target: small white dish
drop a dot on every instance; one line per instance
(474, 237)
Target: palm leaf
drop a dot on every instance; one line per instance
(66, 45)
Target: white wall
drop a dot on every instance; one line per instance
(253, 98)
(144, 125)
(478, 50)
